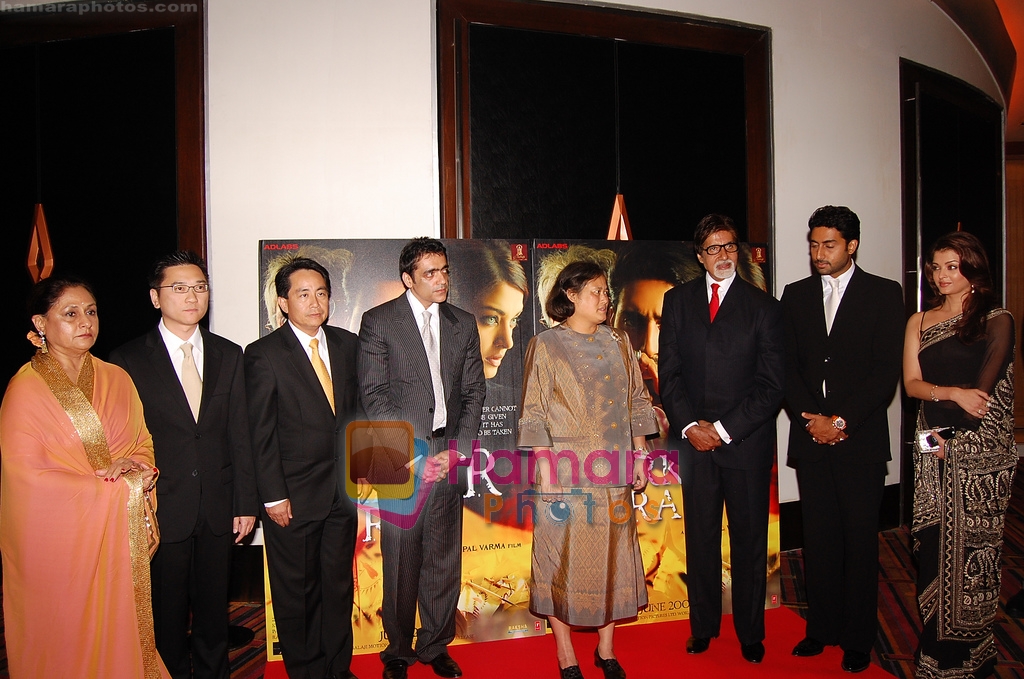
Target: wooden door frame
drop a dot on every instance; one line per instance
(40, 26)
(455, 16)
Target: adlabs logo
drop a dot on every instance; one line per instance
(552, 246)
(280, 246)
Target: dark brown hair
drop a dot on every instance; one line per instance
(973, 267)
(841, 218)
(492, 265)
(46, 292)
(573, 278)
(416, 249)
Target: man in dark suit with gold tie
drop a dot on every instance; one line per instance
(302, 392)
(722, 366)
(844, 344)
(419, 363)
(192, 387)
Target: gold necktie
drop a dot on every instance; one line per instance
(321, 372)
(190, 380)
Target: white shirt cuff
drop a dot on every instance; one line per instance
(722, 433)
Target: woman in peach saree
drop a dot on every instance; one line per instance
(77, 462)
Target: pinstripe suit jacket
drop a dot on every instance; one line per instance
(394, 376)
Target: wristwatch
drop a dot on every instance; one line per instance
(838, 422)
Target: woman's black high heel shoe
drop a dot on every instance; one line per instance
(571, 672)
(611, 668)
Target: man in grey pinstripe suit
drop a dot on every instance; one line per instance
(419, 362)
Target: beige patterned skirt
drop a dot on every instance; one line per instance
(587, 569)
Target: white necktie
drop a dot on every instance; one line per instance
(190, 380)
(434, 359)
(832, 303)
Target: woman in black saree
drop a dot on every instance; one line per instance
(958, 360)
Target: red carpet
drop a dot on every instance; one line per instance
(652, 650)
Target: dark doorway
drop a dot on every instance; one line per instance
(103, 106)
(548, 109)
(952, 136)
(98, 153)
(560, 122)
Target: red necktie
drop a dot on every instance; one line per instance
(714, 300)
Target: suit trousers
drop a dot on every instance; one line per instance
(840, 503)
(193, 575)
(310, 564)
(744, 493)
(423, 565)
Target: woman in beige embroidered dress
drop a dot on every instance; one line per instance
(958, 360)
(585, 411)
(77, 460)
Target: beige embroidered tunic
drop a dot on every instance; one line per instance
(584, 397)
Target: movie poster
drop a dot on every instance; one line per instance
(502, 283)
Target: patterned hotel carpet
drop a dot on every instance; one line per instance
(897, 608)
(898, 620)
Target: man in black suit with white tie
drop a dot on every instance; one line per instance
(844, 343)
(419, 363)
(193, 390)
(302, 394)
(721, 369)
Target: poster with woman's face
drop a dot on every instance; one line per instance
(491, 280)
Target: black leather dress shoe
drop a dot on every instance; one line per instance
(808, 647)
(697, 644)
(396, 669)
(855, 661)
(445, 667)
(753, 652)
(1015, 606)
(611, 667)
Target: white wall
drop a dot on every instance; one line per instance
(322, 123)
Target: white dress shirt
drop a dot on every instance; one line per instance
(844, 282)
(826, 292)
(173, 344)
(321, 338)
